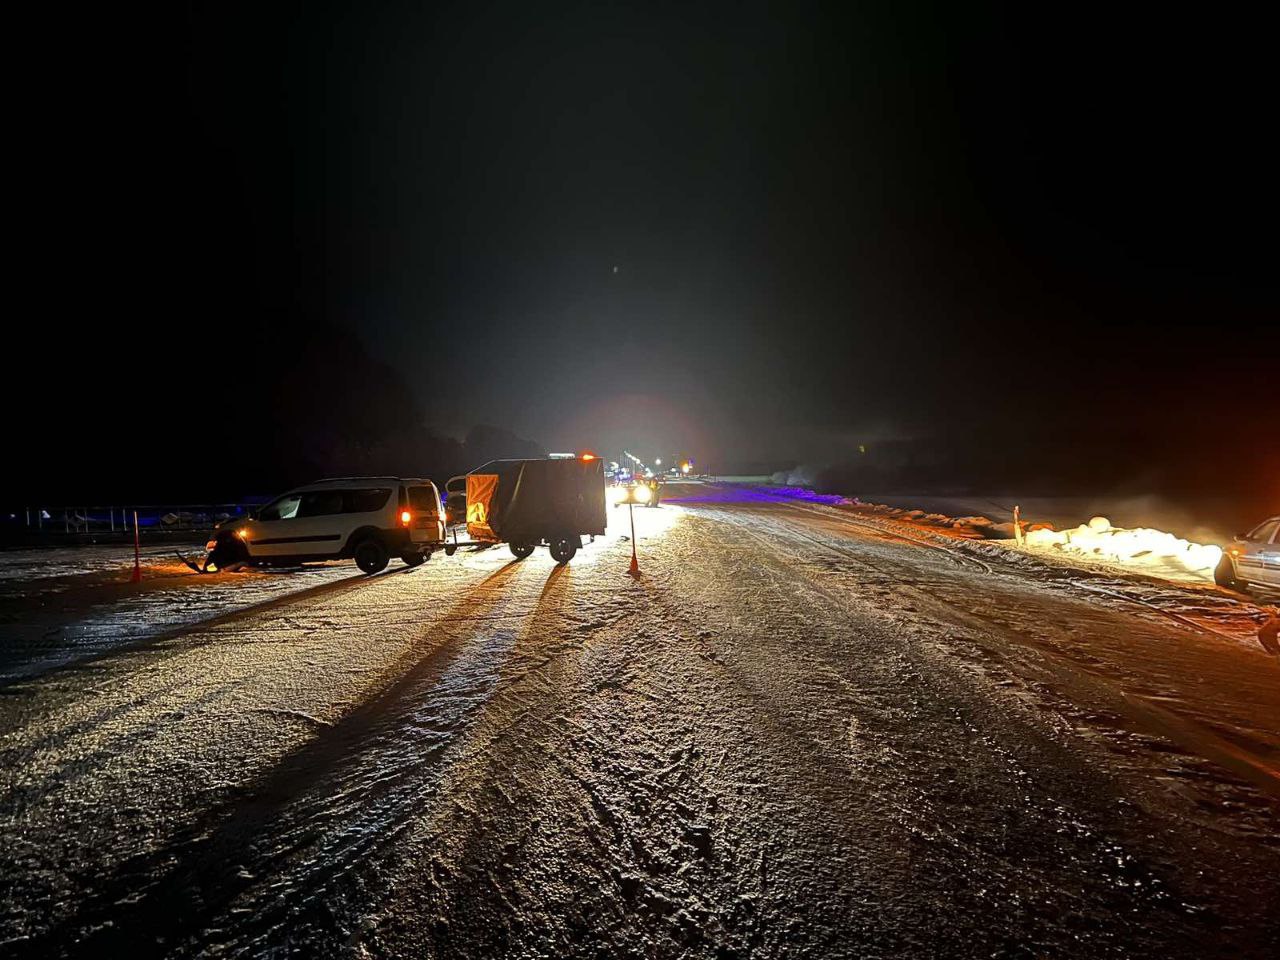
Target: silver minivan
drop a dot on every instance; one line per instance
(367, 519)
(1252, 560)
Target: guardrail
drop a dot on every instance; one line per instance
(93, 524)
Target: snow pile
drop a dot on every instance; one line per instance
(1141, 547)
(804, 493)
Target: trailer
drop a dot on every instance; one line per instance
(528, 503)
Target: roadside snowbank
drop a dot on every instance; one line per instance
(1153, 551)
(1141, 549)
(804, 493)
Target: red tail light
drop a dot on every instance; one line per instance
(405, 517)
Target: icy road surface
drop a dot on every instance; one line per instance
(798, 733)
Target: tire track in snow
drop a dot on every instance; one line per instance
(1188, 732)
(290, 823)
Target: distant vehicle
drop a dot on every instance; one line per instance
(368, 519)
(526, 503)
(1253, 559)
(641, 491)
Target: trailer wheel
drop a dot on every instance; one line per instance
(521, 550)
(563, 549)
(371, 555)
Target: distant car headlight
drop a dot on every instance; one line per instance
(641, 494)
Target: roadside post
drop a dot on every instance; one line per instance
(635, 563)
(1269, 633)
(137, 556)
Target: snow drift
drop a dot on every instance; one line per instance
(1142, 549)
(1153, 550)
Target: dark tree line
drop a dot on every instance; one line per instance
(189, 420)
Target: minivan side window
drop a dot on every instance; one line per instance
(321, 503)
(367, 501)
(283, 508)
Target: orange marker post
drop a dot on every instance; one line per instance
(137, 557)
(635, 563)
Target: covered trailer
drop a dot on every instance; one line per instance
(529, 502)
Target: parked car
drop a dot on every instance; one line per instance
(1252, 561)
(368, 519)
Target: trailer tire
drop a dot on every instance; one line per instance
(521, 550)
(563, 549)
(371, 555)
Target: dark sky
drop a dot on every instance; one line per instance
(748, 232)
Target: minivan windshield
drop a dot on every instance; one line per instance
(282, 508)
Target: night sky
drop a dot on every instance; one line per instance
(966, 238)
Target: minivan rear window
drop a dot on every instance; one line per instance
(422, 498)
(367, 501)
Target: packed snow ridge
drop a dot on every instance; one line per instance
(1141, 547)
(1144, 549)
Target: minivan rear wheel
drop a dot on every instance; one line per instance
(414, 558)
(371, 555)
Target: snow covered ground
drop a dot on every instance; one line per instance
(1092, 542)
(801, 731)
(64, 605)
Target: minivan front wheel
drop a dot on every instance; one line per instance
(1225, 574)
(371, 556)
(227, 556)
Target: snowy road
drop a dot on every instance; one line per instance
(797, 733)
